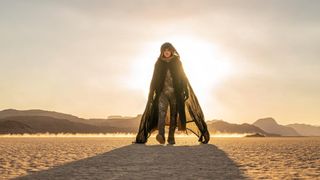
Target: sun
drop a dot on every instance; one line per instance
(204, 63)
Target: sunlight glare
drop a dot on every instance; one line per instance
(204, 64)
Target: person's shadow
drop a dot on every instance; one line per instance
(141, 161)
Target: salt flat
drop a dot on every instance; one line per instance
(118, 158)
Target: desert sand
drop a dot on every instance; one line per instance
(117, 158)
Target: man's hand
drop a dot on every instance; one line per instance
(185, 95)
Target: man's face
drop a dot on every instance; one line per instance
(167, 53)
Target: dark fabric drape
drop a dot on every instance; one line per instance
(190, 117)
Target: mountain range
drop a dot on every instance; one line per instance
(270, 125)
(14, 121)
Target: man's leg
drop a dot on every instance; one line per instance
(173, 119)
(163, 106)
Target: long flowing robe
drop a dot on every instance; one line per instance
(190, 117)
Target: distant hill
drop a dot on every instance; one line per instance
(37, 118)
(271, 126)
(37, 112)
(224, 127)
(15, 127)
(305, 129)
(43, 124)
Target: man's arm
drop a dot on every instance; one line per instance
(184, 82)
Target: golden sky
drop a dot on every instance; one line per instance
(245, 59)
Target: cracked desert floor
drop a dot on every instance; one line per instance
(118, 158)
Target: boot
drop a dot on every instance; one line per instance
(160, 138)
(171, 139)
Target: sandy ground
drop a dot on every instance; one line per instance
(118, 158)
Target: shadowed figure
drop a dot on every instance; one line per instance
(170, 86)
(141, 161)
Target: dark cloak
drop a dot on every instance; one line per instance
(190, 117)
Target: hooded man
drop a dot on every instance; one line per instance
(170, 85)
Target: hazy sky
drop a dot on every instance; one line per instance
(245, 59)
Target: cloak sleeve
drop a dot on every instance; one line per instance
(153, 83)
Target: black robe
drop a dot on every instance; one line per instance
(189, 116)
